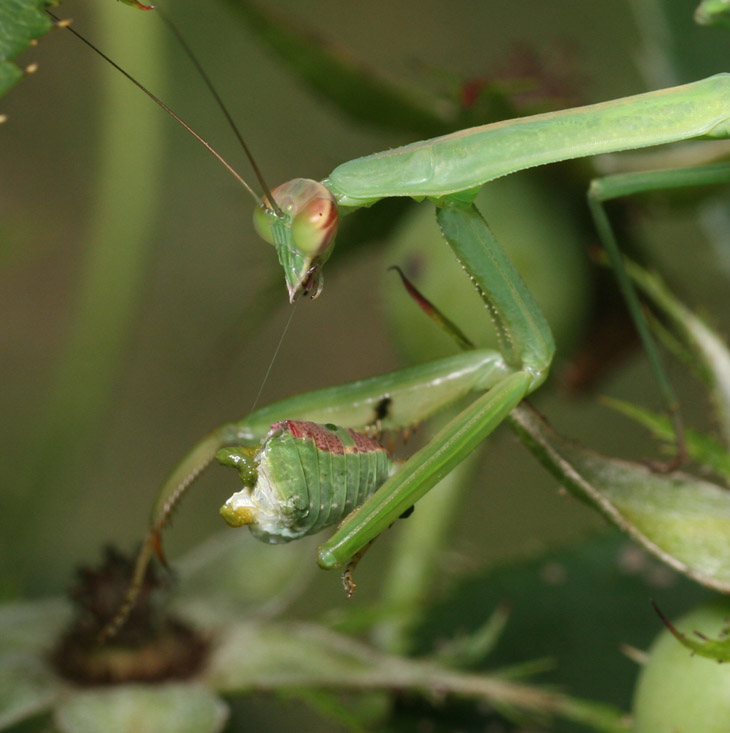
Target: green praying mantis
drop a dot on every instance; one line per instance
(300, 219)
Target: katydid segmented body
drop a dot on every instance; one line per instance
(303, 478)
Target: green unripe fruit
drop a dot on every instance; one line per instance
(678, 692)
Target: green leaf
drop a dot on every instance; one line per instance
(176, 708)
(713, 12)
(698, 639)
(31, 627)
(337, 77)
(471, 649)
(682, 520)
(20, 22)
(702, 448)
(27, 687)
(27, 684)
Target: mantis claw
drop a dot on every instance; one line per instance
(348, 575)
(348, 580)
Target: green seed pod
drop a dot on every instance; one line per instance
(307, 477)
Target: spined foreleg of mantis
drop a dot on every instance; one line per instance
(527, 348)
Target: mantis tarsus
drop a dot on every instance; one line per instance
(300, 219)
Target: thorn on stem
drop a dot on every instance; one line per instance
(156, 542)
(433, 312)
(672, 629)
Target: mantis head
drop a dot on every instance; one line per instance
(301, 224)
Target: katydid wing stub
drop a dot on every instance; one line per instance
(308, 477)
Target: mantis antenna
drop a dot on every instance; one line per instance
(268, 202)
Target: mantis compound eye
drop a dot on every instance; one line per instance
(303, 232)
(315, 224)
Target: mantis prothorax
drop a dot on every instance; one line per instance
(300, 219)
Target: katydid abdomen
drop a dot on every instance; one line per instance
(302, 478)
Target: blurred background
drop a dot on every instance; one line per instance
(137, 307)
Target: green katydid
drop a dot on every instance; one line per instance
(300, 219)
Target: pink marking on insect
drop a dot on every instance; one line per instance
(364, 443)
(323, 439)
(326, 440)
